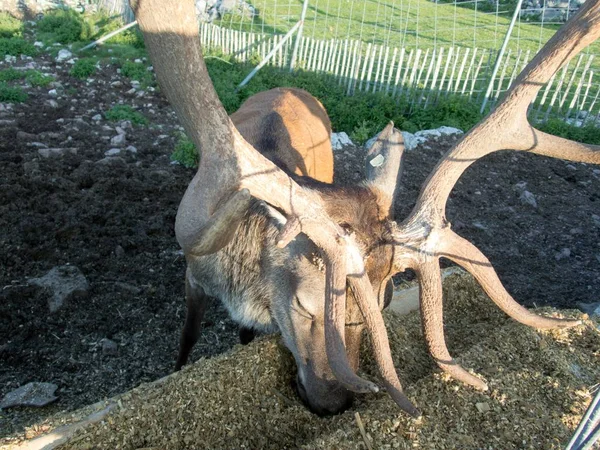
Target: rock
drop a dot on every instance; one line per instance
(119, 251)
(593, 309)
(596, 219)
(38, 44)
(340, 140)
(52, 103)
(112, 161)
(97, 118)
(482, 407)
(564, 253)
(131, 149)
(116, 84)
(118, 140)
(109, 347)
(119, 130)
(112, 152)
(129, 288)
(126, 125)
(63, 55)
(53, 152)
(10, 59)
(130, 91)
(32, 394)
(64, 282)
(53, 93)
(7, 122)
(527, 198)
(21, 135)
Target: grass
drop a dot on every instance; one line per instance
(137, 71)
(64, 26)
(9, 26)
(11, 74)
(36, 78)
(16, 46)
(83, 68)
(12, 94)
(185, 152)
(33, 77)
(125, 112)
(409, 23)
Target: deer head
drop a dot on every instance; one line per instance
(231, 171)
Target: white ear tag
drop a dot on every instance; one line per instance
(377, 161)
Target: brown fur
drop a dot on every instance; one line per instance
(291, 128)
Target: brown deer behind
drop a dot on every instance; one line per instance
(291, 128)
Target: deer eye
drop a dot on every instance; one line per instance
(347, 228)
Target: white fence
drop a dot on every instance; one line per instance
(418, 50)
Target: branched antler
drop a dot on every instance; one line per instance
(425, 235)
(228, 165)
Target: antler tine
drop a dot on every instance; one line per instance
(363, 293)
(228, 163)
(465, 254)
(432, 316)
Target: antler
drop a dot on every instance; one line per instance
(425, 235)
(215, 200)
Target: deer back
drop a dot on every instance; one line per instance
(291, 128)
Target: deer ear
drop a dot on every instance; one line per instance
(384, 166)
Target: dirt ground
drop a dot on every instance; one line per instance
(113, 219)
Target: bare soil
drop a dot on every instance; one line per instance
(113, 219)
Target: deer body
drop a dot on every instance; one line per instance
(267, 288)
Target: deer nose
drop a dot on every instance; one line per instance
(335, 401)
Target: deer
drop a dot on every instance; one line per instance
(267, 288)
(232, 174)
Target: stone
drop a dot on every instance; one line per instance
(21, 135)
(112, 152)
(564, 253)
(10, 59)
(126, 125)
(527, 198)
(340, 140)
(52, 103)
(131, 149)
(32, 394)
(118, 140)
(592, 309)
(64, 283)
(54, 152)
(63, 55)
(109, 347)
(97, 118)
(38, 44)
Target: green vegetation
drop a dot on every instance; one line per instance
(10, 94)
(64, 26)
(411, 23)
(83, 68)
(9, 26)
(131, 37)
(587, 133)
(11, 74)
(137, 71)
(36, 78)
(185, 152)
(125, 112)
(16, 46)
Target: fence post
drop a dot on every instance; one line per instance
(501, 54)
(298, 36)
(269, 55)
